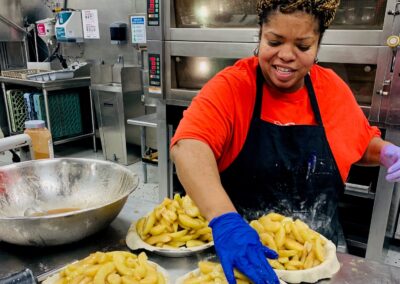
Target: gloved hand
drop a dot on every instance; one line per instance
(390, 158)
(238, 246)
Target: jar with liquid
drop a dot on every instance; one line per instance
(42, 143)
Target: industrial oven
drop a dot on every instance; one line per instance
(189, 41)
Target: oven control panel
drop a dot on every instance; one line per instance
(153, 12)
(155, 70)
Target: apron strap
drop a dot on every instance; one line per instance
(259, 94)
(313, 99)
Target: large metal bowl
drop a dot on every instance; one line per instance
(95, 192)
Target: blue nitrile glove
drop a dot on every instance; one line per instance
(390, 158)
(238, 246)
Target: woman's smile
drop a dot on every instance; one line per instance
(284, 73)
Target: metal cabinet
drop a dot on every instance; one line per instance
(115, 102)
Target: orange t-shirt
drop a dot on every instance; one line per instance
(220, 114)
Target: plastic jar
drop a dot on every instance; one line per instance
(42, 143)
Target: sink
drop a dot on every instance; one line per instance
(117, 78)
(113, 84)
(108, 87)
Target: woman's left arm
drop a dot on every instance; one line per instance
(381, 152)
(372, 154)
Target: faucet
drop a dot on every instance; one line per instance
(18, 141)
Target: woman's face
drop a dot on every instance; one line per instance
(288, 47)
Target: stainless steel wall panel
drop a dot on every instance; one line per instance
(34, 10)
(393, 113)
(223, 35)
(379, 104)
(11, 10)
(209, 49)
(12, 55)
(368, 37)
(349, 54)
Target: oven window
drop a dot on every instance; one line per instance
(351, 14)
(360, 15)
(215, 13)
(360, 78)
(193, 72)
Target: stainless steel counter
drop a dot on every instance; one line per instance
(14, 258)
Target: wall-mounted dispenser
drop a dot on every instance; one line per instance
(46, 31)
(69, 26)
(118, 32)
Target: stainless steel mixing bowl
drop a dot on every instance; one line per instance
(88, 193)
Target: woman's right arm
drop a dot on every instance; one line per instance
(198, 172)
(236, 243)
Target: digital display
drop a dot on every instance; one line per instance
(153, 12)
(154, 70)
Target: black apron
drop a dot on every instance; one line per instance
(286, 169)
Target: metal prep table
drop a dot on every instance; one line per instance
(47, 87)
(14, 258)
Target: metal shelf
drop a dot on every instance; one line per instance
(47, 88)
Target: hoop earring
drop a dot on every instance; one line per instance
(255, 51)
(316, 60)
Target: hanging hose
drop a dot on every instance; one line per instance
(55, 55)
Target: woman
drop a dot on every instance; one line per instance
(275, 132)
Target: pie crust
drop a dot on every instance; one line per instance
(134, 242)
(326, 269)
(196, 272)
(53, 279)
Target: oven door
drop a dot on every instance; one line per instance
(357, 22)
(189, 65)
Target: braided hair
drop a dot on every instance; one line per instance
(323, 10)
